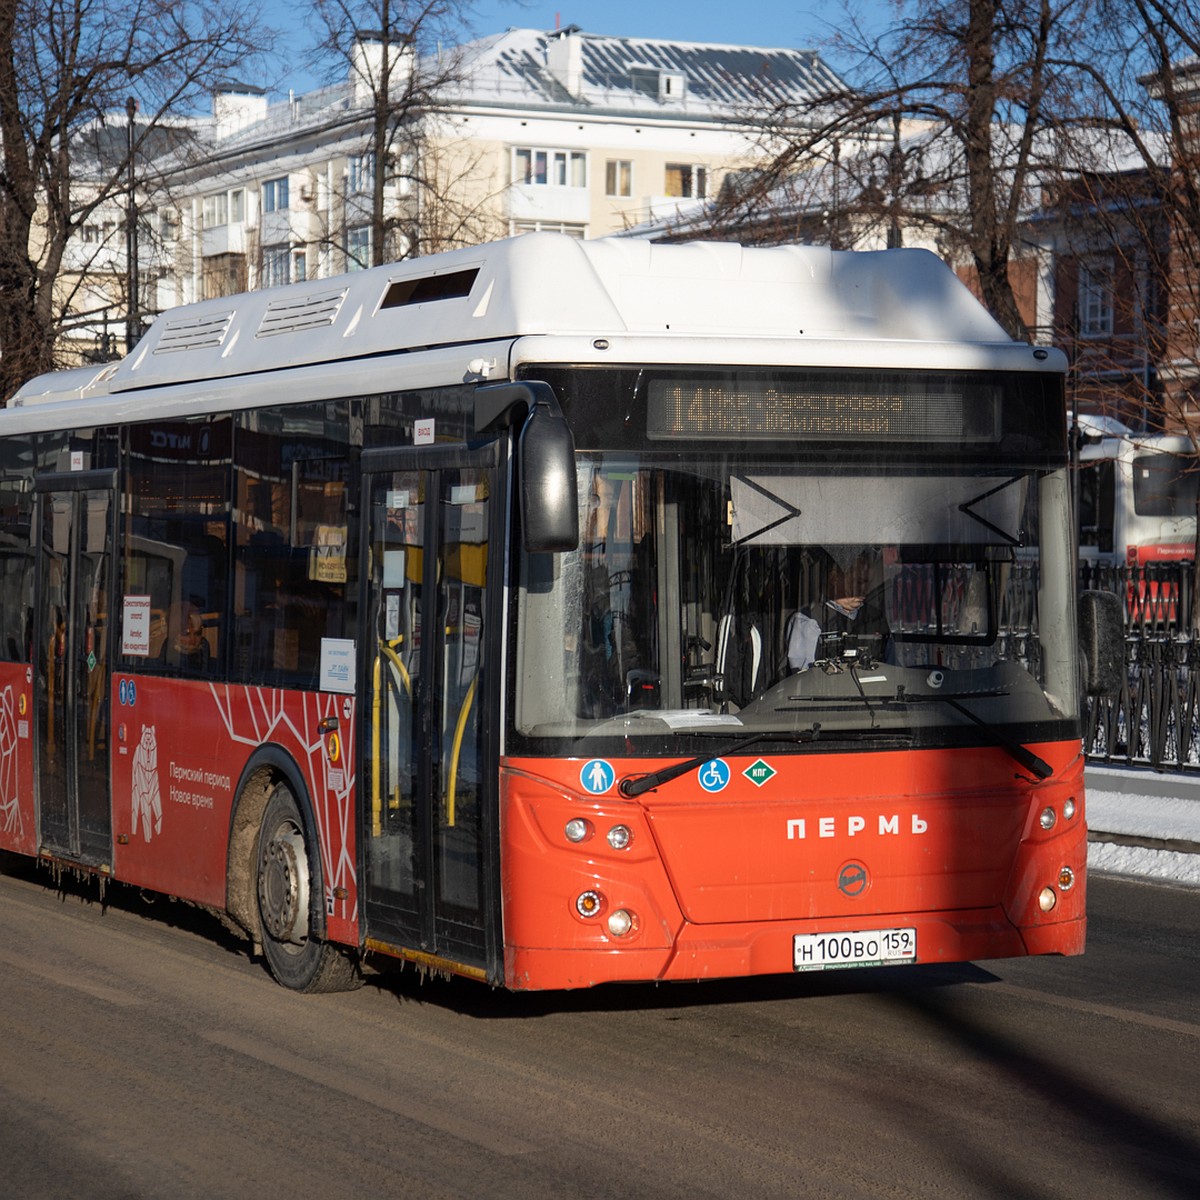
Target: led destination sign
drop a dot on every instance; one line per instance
(858, 406)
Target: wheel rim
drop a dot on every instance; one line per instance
(283, 885)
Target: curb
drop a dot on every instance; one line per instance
(1179, 845)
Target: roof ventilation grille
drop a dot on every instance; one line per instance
(194, 333)
(296, 314)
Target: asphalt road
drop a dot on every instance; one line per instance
(142, 1054)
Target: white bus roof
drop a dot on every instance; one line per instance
(551, 284)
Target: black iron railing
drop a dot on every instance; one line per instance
(1155, 718)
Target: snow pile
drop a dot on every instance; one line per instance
(1167, 865)
(1138, 803)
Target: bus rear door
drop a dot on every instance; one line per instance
(430, 854)
(74, 575)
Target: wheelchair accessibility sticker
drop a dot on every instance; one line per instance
(714, 775)
(597, 776)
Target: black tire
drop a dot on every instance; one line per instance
(289, 896)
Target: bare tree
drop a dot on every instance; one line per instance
(426, 193)
(66, 72)
(1138, 66)
(943, 126)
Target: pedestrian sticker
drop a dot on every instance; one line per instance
(714, 775)
(597, 776)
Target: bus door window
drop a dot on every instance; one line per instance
(397, 570)
(462, 582)
(75, 542)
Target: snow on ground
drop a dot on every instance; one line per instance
(1140, 803)
(1167, 866)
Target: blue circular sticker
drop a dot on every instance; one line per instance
(714, 775)
(597, 776)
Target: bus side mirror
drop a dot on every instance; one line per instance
(1102, 642)
(545, 461)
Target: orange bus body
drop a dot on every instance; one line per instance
(719, 886)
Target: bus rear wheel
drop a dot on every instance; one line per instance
(287, 888)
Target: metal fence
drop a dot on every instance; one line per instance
(1155, 719)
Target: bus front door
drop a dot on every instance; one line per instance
(429, 796)
(75, 536)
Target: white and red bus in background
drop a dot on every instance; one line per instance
(1137, 494)
(491, 612)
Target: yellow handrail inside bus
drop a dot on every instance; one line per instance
(387, 648)
(459, 730)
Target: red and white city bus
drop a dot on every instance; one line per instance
(1137, 495)
(552, 613)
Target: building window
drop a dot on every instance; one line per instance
(299, 266)
(276, 266)
(216, 210)
(687, 181)
(618, 177)
(224, 208)
(402, 172)
(549, 168)
(361, 172)
(224, 275)
(358, 248)
(275, 194)
(1096, 298)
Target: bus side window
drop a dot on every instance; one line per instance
(1097, 497)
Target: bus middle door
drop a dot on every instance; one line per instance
(429, 799)
(74, 570)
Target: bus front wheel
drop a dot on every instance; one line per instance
(297, 955)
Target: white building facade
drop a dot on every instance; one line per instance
(566, 131)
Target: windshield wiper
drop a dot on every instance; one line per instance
(636, 785)
(1026, 757)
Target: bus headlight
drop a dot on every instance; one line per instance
(620, 922)
(1047, 899)
(619, 837)
(576, 830)
(1047, 818)
(1068, 808)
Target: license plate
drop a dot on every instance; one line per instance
(859, 948)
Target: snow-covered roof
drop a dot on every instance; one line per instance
(573, 67)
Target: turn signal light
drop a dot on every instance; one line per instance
(589, 904)
(1066, 879)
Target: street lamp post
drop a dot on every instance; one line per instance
(133, 320)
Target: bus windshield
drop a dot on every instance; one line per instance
(736, 595)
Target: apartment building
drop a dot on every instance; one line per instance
(583, 133)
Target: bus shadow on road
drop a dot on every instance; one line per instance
(473, 999)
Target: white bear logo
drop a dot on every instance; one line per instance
(147, 801)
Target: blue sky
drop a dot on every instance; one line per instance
(795, 23)
(757, 23)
